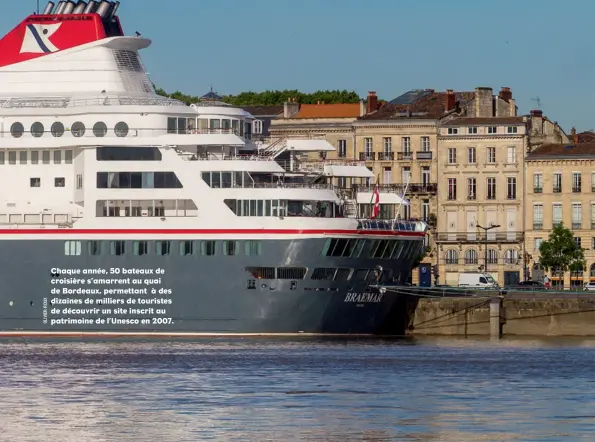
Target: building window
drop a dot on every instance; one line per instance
(537, 183)
(72, 248)
(471, 189)
(492, 130)
(578, 241)
(491, 189)
(425, 144)
(35, 182)
(387, 174)
(537, 244)
(471, 130)
(593, 182)
(593, 217)
(491, 155)
(257, 127)
(471, 256)
(453, 131)
(452, 155)
(537, 216)
(576, 182)
(512, 130)
(79, 181)
(368, 145)
(425, 175)
(492, 256)
(557, 184)
(452, 257)
(471, 155)
(387, 144)
(577, 216)
(452, 189)
(556, 214)
(511, 257)
(425, 210)
(342, 148)
(406, 144)
(511, 155)
(406, 174)
(59, 182)
(511, 188)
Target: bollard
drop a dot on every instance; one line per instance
(495, 329)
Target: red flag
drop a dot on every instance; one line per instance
(376, 201)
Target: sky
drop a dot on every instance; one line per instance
(541, 49)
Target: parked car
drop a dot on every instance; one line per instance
(590, 286)
(529, 285)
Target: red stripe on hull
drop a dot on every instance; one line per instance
(205, 232)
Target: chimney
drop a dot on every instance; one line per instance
(536, 121)
(574, 136)
(505, 93)
(484, 102)
(450, 100)
(290, 108)
(536, 113)
(372, 104)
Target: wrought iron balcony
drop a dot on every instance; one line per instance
(423, 155)
(367, 156)
(537, 189)
(537, 226)
(576, 189)
(557, 189)
(479, 237)
(404, 156)
(386, 156)
(400, 188)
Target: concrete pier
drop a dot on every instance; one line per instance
(495, 324)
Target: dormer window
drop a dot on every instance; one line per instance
(453, 131)
(257, 127)
(492, 130)
(472, 130)
(512, 129)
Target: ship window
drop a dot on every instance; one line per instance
(323, 274)
(172, 124)
(1, 157)
(94, 247)
(362, 275)
(34, 157)
(57, 156)
(261, 272)
(138, 180)
(186, 248)
(72, 248)
(17, 130)
(340, 247)
(291, 272)
(117, 247)
(23, 157)
(343, 274)
(162, 247)
(116, 153)
(79, 181)
(121, 129)
(37, 129)
(140, 247)
(398, 250)
(68, 156)
(208, 248)
(35, 182)
(45, 157)
(59, 182)
(99, 129)
(78, 129)
(253, 248)
(57, 129)
(12, 157)
(230, 248)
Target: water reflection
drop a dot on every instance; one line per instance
(253, 389)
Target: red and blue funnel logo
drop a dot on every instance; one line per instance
(37, 39)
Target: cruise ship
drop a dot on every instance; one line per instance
(124, 212)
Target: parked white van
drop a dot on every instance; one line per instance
(477, 280)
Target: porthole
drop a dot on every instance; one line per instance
(17, 130)
(57, 129)
(37, 129)
(100, 129)
(121, 129)
(78, 129)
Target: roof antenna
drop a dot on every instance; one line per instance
(537, 101)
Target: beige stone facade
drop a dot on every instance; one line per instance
(481, 182)
(561, 188)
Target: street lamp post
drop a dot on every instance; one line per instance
(485, 250)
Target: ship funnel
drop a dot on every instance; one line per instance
(68, 8)
(60, 7)
(91, 6)
(48, 8)
(115, 9)
(80, 7)
(103, 9)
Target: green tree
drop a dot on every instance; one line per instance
(420, 257)
(560, 252)
(272, 98)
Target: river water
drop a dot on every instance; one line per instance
(304, 389)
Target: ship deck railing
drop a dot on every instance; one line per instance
(65, 102)
(397, 225)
